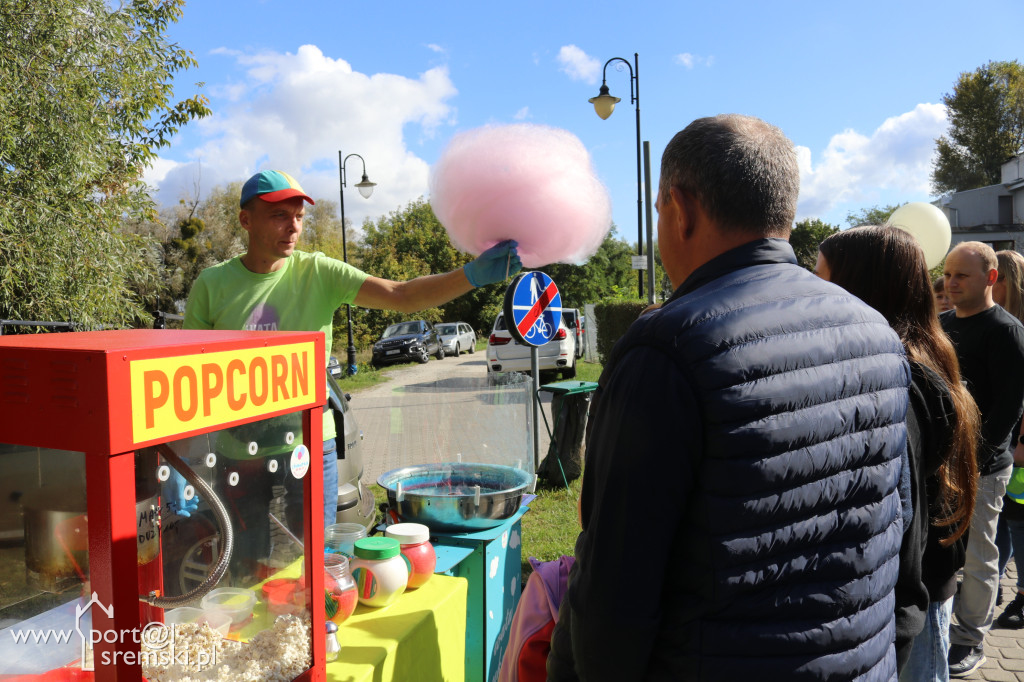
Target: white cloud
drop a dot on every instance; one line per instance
(522, 114)
(855, 168)
(691, 60)
(298, 111)
(578, 64)
(434, 47)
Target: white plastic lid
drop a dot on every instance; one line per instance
(408, 533)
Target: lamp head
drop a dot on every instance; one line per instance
(604, 103)
(365, 187)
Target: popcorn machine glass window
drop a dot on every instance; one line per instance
(200, 478)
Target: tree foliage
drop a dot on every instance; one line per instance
(409, 243)
(606, 275)
(876, 215)
(805, 237)
(986, 117)
(86, 102)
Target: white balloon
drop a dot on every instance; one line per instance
(929, 225)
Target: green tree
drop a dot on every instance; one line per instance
(805, 238)
(86, 101)
(986, 127)
(606, 274)
(876, 215)
(408, 243)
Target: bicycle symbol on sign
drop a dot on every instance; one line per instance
(539, 327)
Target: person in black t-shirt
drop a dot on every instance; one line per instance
(990, 346)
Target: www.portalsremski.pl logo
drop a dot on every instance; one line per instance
(160, 650)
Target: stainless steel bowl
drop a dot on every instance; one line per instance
(455, 496)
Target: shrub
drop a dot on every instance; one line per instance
(613, 319)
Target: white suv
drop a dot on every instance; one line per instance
(505, 354)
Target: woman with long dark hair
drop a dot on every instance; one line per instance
(885, 267)
(1008, 292)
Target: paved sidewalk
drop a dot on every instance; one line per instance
(1004, 649)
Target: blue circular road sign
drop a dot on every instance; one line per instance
(533, 308)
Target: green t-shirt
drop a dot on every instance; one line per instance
(301, 296)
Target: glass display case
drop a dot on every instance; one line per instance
(157, 511)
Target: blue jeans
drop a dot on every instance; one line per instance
(1003, 542)
(330, 501)
(1015, 530)
(929, 651)
(330, 481)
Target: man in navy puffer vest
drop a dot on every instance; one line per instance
(741, 518)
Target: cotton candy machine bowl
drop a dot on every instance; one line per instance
(455, 497)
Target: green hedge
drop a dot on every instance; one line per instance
(613, 319)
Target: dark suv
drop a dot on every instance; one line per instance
(416, 340)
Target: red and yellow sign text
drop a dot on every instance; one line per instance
(188, 392)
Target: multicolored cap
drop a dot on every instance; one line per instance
(272, 185)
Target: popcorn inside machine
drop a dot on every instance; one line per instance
(159, 498)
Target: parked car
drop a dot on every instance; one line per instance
(505, 354)
(574, 321)
(416, 340)
(334, 367)
(456, 337)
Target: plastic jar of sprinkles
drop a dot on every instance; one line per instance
(417, 551)
(340, 588)
(379, 571)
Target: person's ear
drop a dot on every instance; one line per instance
(685, 206)
(243, 219)
(993, 275)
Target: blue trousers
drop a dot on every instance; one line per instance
(929, 652)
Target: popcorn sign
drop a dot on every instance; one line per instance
(175, 395)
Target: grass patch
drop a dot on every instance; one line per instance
(587, 371)
(552, 524)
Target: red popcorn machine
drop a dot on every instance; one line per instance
(156, 486)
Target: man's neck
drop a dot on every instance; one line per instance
(962, 311)
(261, 266)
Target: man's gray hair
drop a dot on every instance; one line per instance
(742, 170)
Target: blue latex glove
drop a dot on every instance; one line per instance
(494, 264)
(173, 492)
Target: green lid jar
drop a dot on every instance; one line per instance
(377, 547)
(379, 570)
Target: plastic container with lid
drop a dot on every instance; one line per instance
(417, 551)
(235, 602)
(340, 588)
(379, 571)
(218, 622)
(340, 538)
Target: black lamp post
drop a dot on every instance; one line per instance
(604, 105)
(365, 188)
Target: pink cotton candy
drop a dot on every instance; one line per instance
(531, 183)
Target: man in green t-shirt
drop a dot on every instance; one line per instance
(274, 287)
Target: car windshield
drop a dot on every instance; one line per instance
(402, 328)
(446, 329)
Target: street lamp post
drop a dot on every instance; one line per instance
(604, 105)
(365, 188)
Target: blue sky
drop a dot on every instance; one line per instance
(856, 86)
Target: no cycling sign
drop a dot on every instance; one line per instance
(533, 308)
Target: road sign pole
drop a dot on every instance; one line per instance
(535, 382)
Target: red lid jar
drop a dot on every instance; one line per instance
(416, 550)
